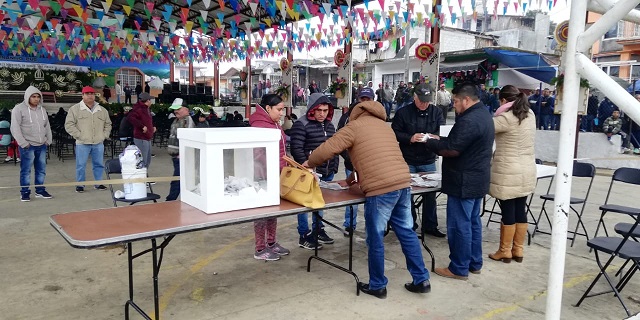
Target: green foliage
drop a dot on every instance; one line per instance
(8, 103)
(339, 84)
(559, 81)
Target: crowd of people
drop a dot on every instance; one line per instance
(378, 158)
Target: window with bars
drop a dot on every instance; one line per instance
(129, 77)
(635, 72)
(393, 79)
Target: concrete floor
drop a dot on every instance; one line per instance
(211, 274)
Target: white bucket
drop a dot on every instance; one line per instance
(135, 190)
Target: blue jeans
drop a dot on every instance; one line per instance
(392, 208)
(429, 205)
(82, 155)
(547, 121)
(387, 107)
(36, 156)
(586, 123)
(464, 232)
(174, 189)
(117, 95)
(303, 221)
(347, 210)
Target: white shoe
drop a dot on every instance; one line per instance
(7, 159)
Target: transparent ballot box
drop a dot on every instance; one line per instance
(224, 169)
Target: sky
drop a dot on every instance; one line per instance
(559, 13)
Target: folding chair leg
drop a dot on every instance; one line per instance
(543, 209)
(603, 272)
(625, 279)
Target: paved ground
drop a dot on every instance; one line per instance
(212, 275)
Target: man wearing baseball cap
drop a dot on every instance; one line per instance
(366, 93)
(143, 129)
(411, 124)
(182, 120)
(90, 125)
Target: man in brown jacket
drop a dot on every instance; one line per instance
(383, 176)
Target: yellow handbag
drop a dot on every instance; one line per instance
(298, 185)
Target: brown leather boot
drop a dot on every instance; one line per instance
(506, 239)
(518, 241)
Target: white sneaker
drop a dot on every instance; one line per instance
(7, 159)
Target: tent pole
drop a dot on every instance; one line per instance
(565, 164)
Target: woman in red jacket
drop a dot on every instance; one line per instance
(268, 115)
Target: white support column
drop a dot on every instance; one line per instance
(565, 163)
(616, 93)
(609, 19)
(602, 6)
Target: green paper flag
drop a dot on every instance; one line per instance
(55, 6)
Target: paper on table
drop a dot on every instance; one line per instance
(419, 182)
(432, 176)
(331, 185)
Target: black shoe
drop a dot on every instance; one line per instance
(100, 187)
(423, 287)
(309, 242)
(79, 189)
(347, 230)
(324, 238)
(436, 233)
(380, 293)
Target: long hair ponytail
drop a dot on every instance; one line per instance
(520, 107)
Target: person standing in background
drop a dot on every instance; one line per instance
(143, 129)
(182, 120)
(513, 170)
(443, 101)
(127, 94)
(31, 129)
(118, 91)
(90, 125)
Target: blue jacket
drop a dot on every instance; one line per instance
(466, 152)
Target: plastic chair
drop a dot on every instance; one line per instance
(616, 247)
(621, 175)
(580, 170)
(112, 166)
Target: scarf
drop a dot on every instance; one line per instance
(503, 108)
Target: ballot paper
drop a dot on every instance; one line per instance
(332, 185)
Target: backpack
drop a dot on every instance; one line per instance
(126, 129)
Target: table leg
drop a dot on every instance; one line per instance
(341, 268)
(156, 264)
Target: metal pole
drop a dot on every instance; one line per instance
(407, 46)
(565, 164)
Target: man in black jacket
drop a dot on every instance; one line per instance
(310, 131)
(410, 124)
(466, 172)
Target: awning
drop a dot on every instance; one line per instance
(531, 64)
(460, 65)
